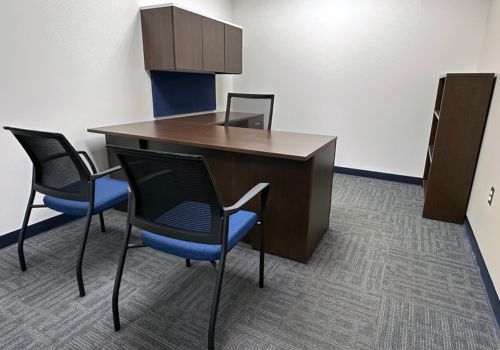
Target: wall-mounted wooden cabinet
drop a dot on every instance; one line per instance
(232, 51)
(177, 39)
(213, 45)
(458, 123)
(188, 40)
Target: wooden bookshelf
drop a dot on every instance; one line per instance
(458, 122)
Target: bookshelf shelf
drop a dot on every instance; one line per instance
(431, 149)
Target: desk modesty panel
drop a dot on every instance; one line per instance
(299, 168)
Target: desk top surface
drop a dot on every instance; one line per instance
(205, 131)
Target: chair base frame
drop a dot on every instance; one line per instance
(88, 219)
(218, 281)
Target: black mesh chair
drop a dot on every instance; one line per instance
(250, 103)
(69, 186)
(175, 202)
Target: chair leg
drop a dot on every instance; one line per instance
(261, 263)
(118, 279)
(215, 303)
(101, 219)
(79, 262)
(20, 244)
(188, 262)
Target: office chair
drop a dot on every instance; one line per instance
(250, 103)
(68, 185)
(175, 202)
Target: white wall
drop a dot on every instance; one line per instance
(485, 220)
(363, 70)
(67, 66)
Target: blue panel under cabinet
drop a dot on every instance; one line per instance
(179, 92)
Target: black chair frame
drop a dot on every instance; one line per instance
(253, 97)
(89, 196)
(261, 188)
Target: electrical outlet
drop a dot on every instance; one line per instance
(490, 196)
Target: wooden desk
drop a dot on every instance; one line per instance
(299, 168)
(218, 118)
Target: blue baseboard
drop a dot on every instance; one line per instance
(483, 270)
(35, 229)
(381, 176)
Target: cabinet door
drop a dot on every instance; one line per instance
(157, 38)
(233, 49)
(213, 45)
(188, 40)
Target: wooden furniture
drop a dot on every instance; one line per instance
(299, 168)
(233, 49)
(177, 39)
(213, 45)
(458, 123)
(238, 119)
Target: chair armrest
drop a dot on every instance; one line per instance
(262, 187)
(89, 161)
(104, 173)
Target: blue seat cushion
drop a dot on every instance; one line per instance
(108, 193)
(240, 224)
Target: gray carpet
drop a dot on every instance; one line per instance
(382, 278)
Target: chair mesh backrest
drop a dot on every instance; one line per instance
(238, 104)
(172, 195)
(58, 170)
